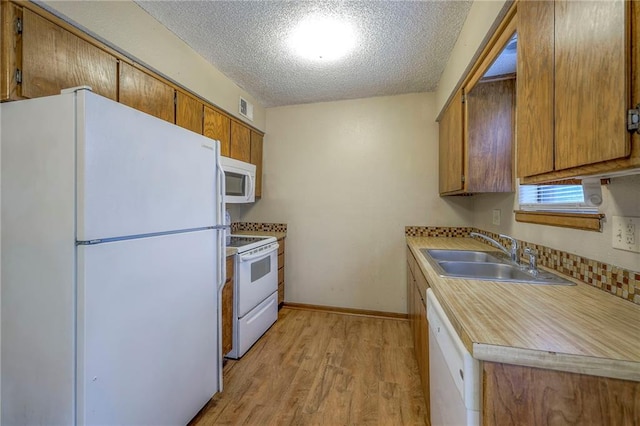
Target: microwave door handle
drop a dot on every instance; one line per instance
(251, 187)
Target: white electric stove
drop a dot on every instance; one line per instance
(255, 290)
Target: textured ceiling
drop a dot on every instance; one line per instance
(403, 46)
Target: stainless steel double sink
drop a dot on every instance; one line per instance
(483, 265)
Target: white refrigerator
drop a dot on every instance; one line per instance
(112, 260)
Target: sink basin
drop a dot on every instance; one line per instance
(481, 265)
(463, 255)
(494, 271)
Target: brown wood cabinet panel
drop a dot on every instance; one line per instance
(227, 309)
(451, 146)
(240, 142)
(530, 396)
(417, 314)
(218, 126)
(189, 112)
(490, 109)
(55, 59)
(146, 93)
(256, 158)
(281, 272)
(591, 91)
(10, 50)
(535, 112)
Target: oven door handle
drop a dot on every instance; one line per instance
(264, 253)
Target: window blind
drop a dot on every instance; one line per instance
(568, 198)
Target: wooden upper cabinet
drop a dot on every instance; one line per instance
(591, 82)
(218, 126)
(256, 158)
(451, 143)
(490, 109)
(146, 93)
(189, 112)
(534, 116)
(240, 142)
(575, 65)
(54, 59)
(477, 129)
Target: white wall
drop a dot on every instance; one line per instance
(126, 26)
(620, 198)
(347, 177)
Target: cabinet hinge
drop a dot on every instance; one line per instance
(175, 97)
(633, 119)
(464, 98)
(462, 178)
(18, 75)
(18, 25)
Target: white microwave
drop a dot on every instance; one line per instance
(239, 181)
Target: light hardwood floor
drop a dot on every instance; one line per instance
(320, 368)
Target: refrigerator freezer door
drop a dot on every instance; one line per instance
(147, 329)
(138, 174)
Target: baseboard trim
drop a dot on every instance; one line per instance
(346, 311)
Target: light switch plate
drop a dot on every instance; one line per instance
(626, 233)
(496, 217)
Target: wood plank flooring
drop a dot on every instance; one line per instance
(321, 368)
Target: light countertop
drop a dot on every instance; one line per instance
(579, 329)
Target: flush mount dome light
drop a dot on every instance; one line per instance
(322, 39)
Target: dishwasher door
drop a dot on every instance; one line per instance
(454, 374)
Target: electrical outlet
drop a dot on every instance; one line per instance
(496, 217)
(626, 232)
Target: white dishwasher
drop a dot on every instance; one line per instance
(454, 374)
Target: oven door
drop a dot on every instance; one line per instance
(256, 277)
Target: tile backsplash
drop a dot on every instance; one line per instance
(618, 281)
(256, 226)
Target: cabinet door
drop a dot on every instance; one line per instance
(423, 354)
(256, 158)
(189, 112)
(490, 110)
(227, 309)
(145, 93)
(451, 147)
(591, 82)
(218, 126)
(55, 59)
(534, 115)
(240, 142)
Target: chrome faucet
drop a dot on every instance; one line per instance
(513, 253)
(533, 260)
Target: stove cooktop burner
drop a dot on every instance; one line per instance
(239, 241)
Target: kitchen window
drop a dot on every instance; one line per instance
(567, 198)
(559, 204)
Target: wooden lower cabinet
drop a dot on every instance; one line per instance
(516, 395)
(227, 309)
(417, 286)
(281, 272)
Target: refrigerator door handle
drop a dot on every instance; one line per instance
(220, 228)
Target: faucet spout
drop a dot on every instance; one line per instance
(513, 253)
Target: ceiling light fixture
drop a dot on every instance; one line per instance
(322, 38)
